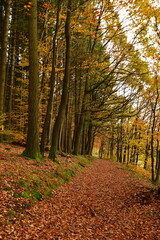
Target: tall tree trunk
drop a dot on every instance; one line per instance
(90, 139)
(157, 177)
(10, 82)
(32, 146)
(2, 3)
(153, 126)
(118, 143)
(124, 154)
(3, 54)
(52, 84)
(81, 122)
(62, 107)
(78, 136)
(78, 101)
(121, 141)
(84, 136)
(147, 148)
(68, 129)
(112, 142)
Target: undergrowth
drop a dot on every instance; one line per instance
(40, 184)
(26, 179)
(137, 172)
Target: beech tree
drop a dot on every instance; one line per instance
(46, 126)
(5, 6)
(32, 145)
(62, 107)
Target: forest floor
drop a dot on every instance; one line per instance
(104, 201)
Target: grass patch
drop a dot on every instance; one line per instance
(36, 186)
(63, 154)
(65, 175)
(1, 176)
(8, 149)
(35, 181)
(83, 161)
(137, 172)
(7, 188)
(11, 213)
(10, 173)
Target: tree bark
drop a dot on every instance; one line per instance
(78, 136)
(3, 54)
(157, 177)
(89, 146)
(62, 107)
(11, 77)
(32, 146)
(52, 84)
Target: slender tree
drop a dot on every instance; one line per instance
(3, 53)
(52, 85)
(62, 107)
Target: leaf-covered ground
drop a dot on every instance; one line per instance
(102, 202)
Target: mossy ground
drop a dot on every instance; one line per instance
(25, 178)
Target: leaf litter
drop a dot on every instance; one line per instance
(103, 202)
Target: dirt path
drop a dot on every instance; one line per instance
(103, 202)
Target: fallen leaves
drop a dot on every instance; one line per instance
(103, 202)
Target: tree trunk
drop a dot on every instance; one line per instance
(153, 128)
(32, 146)
(157, 177)
(112, 142)
(84, 137)
(128, 153)
(78, 137)
(52, 84)
(124, 154)
(90, 141)
(68, 128)
(3, 52)
(10, 82)
(79, 128)
(1, 21)
(62, 107)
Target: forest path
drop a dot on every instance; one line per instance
(103, 202)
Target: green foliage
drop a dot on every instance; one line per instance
(25, 194)
(36, 195)
(65, 175)
(8, 149)
(32, 155)
(2, 120)
(6, 135)
(38, 185)
(12, 136)
(11, 213)
(83, 161)
(63, 154)
(81, 164)
(7, 188)
(33, 195)
(22, 183)
(48, 191)
(1, 176)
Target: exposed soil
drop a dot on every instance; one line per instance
(103, 202)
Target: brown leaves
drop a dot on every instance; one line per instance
(103, 202)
